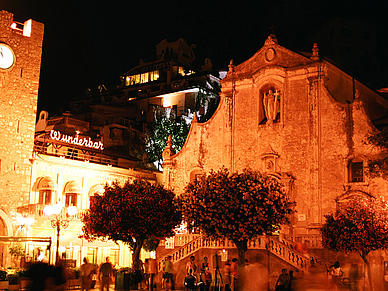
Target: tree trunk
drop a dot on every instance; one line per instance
(241, 249)
(136, 254)
(363, 256)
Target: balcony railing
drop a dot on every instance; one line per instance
(37, 211)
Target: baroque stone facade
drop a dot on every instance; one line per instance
(20, 53)
(295, 116)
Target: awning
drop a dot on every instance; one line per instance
(73, 187)
(46, 183)
(79, 242)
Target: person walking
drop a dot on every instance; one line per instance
(168, 269)
(153, 272)
(233, 272)
(86, 273)
(336, 273)
(105, 273)
(227, 274)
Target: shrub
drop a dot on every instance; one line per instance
(3, 275)
(13, 279)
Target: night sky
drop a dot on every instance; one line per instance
(88, 43)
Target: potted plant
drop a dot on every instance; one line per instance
(17, 251)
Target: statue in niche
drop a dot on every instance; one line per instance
(271, 105)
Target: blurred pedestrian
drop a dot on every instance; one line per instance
(228, 276)
(86, 273)
(283, 281)
(153, 271)
(233, 272)
(336, 273)
(353, 277)
(168, 272)
(105, 273)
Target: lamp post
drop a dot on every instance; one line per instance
(59, 219)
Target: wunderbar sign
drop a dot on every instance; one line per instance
(56, 135)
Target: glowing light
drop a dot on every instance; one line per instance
(27, 28)
(166, 102)
(72, 210)
(57, 135)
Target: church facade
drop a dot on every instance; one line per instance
(295, 116)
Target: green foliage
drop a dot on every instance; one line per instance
(158, 131)
(206, 98)
(360, 226)
(3, 275)
(132, 214)
(150, 244)
(378, 166)
(21, 273)
(17, 250)
(12, 278)
(238, 206)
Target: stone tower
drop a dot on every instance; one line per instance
(20, 60)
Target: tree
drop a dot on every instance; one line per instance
(238, 206)
(360, 226)
(132, 213)
(155, 139)
(379, 164)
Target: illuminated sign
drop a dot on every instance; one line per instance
(86, 142)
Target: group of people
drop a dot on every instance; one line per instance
(105, 274)
(289, 280)
(195, 280)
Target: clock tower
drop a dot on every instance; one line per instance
(20, 60)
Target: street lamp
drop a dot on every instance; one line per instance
(59, 219)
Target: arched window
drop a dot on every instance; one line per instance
(95, 190)
(46, 188)
(72, 190)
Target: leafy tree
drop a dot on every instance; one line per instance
(158, 132)
(360, 226)
(132, 213)
(238, 206)
(210, 100)
(379, 164)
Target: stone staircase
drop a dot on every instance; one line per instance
(283, 248)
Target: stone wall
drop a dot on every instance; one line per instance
(308, 145)
(19, 93)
